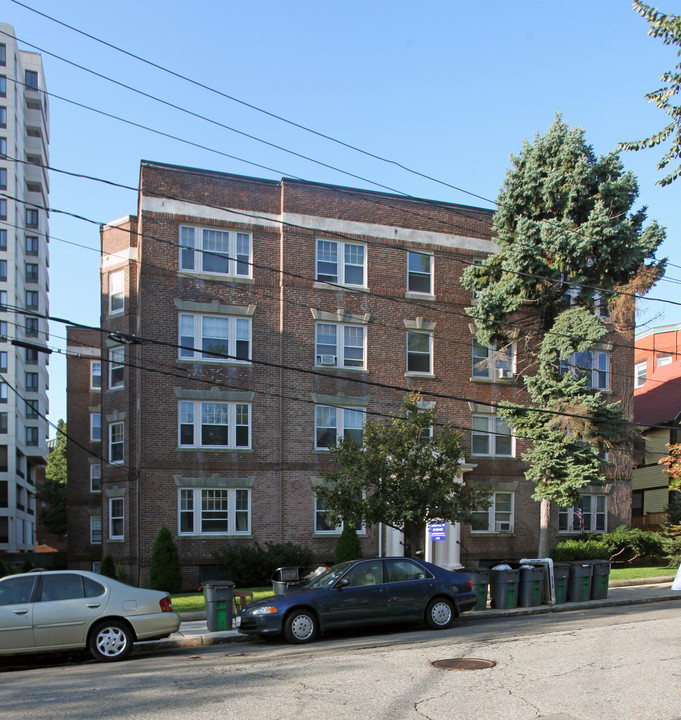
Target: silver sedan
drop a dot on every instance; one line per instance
(72, 609)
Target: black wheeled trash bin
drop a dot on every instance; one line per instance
(600, 579)
(579, 583)
(561, 573)
(503, 586)
(286, 579)
(531, 586)
(480, 579)
(219, 597)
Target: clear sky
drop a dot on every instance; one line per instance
(445, 87)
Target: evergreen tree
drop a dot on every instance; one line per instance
(570, 249)
(668, 28)
(348, 546)
(401, 476)
(53, 490)
(108, 567)
(164, 573)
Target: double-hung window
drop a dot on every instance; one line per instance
(214, 511)
(116, 366)
(491, 436)
(498, 517)
(216, 338)
(95, 529)
(342, 263)
(32, 408)
(96, 427)
(593, 365)
(589, 514)
(32, 436)
(492, 363)
(640, 373)
(219, 425)
(221, 252)
(32, 217)
(419, 273)
(322, 524)
(116, 442)
(116, 518)
(333, 423)
(95, 374)
(116, 292)
(31, 381)
(96, 477)
(32, 299)
(419, 352)
(340, 345)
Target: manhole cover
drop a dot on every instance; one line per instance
(463, 664)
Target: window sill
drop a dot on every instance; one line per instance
(116, 540)
(338, 286)
(496, 381)
(213, 362)
(334, 369)
(203, 536)
(419, 296)
(419, 375)
(215, 276)
(181, 448)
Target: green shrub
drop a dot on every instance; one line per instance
(623, 545)
(164, 572)
(348, 546)
(587, 549)
(253, 566)
(108, 567)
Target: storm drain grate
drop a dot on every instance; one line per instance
(463, 664)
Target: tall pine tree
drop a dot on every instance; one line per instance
(571, 249)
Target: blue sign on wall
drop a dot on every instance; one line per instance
(437, 531)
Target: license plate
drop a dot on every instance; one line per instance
(237, 621)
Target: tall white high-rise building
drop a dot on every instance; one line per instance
(24, 285)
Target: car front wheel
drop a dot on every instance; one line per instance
(110, 640)
(300, 627)
(440, 613)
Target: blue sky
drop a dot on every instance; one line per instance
(447, 88)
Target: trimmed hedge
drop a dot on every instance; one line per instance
(623, 545)
(253, 566)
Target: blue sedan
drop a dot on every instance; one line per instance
(362, 592)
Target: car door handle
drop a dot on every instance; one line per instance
(20, 612)
(93, 605)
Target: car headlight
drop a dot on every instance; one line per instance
(266, 610)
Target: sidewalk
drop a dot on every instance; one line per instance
(194, 628)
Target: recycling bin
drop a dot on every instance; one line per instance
(480, 579)
(579, 582)
(286, 579)
(600, 579)
(219, 597)
(561, 574)
(503, 585)
(531, 586)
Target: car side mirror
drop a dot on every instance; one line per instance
(343, 582)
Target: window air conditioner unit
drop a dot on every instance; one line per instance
(504, 374)
(502, 526)
(326, 359)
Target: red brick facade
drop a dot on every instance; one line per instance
(259, 483)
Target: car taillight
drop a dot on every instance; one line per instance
(470, 583)
(166, 604)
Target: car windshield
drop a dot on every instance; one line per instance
(328, 577)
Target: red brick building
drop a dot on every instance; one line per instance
(247, 323)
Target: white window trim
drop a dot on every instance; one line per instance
(94, 425)
(662, 359)
(196, 245)
(640, 373)
(340, 423)
(337, 530)
(196, 511)
(571, 529)
(114, 365)
(571, 364)
(93, 365)
(495, 368)
(196, 407)
(431, 275)
(117, 291)
(197, 354)
(93, 476)
(112, 517)
(93, 530)
(119, 442)
(338, 357)
(491, 433)
(493, 525)
(341, 264)
(422, 373)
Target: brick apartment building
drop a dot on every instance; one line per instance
(246, 324)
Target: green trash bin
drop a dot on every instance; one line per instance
(531, 586)
(579, 582)
(480, 579)
(503, 587)
(561, 573)
(219, 597)
(600, 579)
